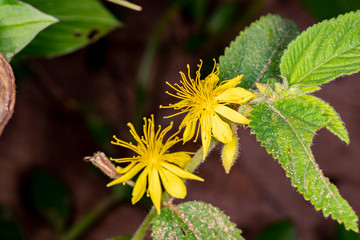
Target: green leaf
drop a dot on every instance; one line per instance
(193, 220)
(223, 17)
(324, 52)
(50, 198)
(335, 124)
(9, 227)
(81, 22)
(332, 9)
(283, 230)
(257, 50)
(286, 130)
(19, 24)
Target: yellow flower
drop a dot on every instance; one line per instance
(206, 102)
(157, 163)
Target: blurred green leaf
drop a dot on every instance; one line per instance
(195, 9)
(343, 234)
(19, 24)
(99, 129)
(50, 198)
(9, 227)
(326, 9)
(193, 220)
(224, 16)
(283, 230)
(81, 22)
(196, 41)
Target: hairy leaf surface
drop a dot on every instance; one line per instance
(324, 52)
(81, 22)
(286, 130)
(193, 220)
(19, 24)
(335, 124)
(257, 50)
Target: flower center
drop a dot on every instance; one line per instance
(205, 103)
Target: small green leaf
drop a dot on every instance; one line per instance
(50, 198)
(335, 124)
(81, 22)
(19, 24)
(257, 50)
(286, 130)
(9, 227)
(283, 230)
(193, 220)
(324, 52)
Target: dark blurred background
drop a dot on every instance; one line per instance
(69, 107)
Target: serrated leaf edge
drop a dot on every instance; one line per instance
(312, 160)
(292, 83)
(227, 49)
(334, 118)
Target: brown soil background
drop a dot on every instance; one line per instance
(47, 132)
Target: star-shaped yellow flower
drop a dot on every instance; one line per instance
(158, 164)
(206, 102)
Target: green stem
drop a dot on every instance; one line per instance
(196, 160)
(143, 228)
(88, 219)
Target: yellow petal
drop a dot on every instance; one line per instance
(179, 158)
(140, 186)
(220, 129)
(172, 183)
(235, 95)
(229, 153)
(189, 131)
(180, 172)
(155, 188)
(205, 134)
(126, 177)
(231, 114)
(230, 83)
